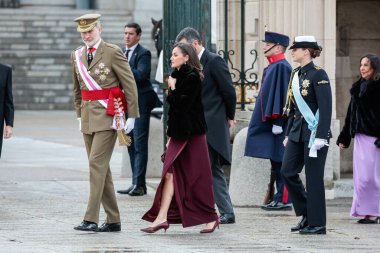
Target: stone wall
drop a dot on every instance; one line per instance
(357, 34)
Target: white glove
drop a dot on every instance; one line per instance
(276, 129)
(80, 124)
(129, 125)
(319, 143)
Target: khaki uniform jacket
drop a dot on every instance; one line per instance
(109, 69)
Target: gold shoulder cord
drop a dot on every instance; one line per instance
(124, 139)
(289, 95)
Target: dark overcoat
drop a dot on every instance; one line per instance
(219, 103)
(6, 100)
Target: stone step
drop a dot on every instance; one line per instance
(43, 106)
(61, 12)
(38, 43)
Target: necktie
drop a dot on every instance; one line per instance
(89, 55)
(127, 53)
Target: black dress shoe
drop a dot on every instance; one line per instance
(137, 191)
(301, 225)
(111, 227)
(320, 230)
(126, 191)
(227, 218)
(277, 206)
(86, 226)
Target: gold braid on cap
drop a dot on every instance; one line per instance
(289, 94)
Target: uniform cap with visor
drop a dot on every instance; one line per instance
(87, 22)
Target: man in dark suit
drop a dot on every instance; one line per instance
(219, 103)
(139, 59)
(6, 103)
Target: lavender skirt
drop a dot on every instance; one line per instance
(366, 177)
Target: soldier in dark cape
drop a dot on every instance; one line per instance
(265, 132)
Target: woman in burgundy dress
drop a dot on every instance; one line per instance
(185, 194)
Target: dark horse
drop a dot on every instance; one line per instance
(157, 35)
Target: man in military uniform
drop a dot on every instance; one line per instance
(265, 132)
(309, 104)
(101, 76)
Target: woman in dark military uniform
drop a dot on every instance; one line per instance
(308, 106)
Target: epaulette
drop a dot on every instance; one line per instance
(111, 45)
(317, 67)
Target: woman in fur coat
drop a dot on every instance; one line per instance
(363, 124)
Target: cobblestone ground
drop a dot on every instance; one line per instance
(44, 191)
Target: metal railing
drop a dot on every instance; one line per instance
(244, 80)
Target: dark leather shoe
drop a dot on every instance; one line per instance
(137, 191)
(277, 206)
(126, 191)
(87, 226)
(109, 227)
(301, 225)
(227, 218)
(321, 230)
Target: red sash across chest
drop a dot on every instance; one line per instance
(110, 94)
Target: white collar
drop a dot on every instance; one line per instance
(201, 53)
(132, 48)
(96, 45)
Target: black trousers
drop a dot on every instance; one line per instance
(221, 193)
(310, 202)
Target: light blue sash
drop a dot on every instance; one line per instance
(312, 121)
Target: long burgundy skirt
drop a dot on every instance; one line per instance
(193, 200)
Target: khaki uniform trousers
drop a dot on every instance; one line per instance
(99, 146)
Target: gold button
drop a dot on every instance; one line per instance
(89, 72)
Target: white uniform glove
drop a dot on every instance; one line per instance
(276, 129)
(317, 145)
(80, 124)
(129, 125)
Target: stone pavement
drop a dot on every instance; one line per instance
(44, 190)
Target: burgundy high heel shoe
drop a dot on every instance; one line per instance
(150, 230)
(210, 230)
